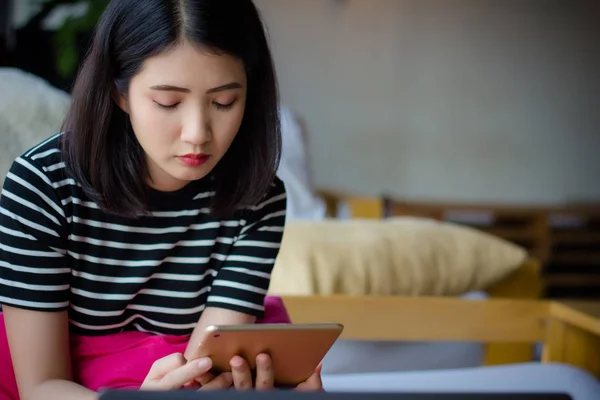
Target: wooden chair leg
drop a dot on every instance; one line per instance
(525, 283)
(569, 344)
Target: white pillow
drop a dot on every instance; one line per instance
(398, 256)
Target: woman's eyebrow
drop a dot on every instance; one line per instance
(228, 86)
(171, 88)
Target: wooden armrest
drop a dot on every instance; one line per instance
(570, 331)
(580, 314)
(424, 319)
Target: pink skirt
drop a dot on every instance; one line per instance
(120, 360)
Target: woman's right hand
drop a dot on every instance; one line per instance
(173, 372)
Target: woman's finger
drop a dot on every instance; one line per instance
(240, 371)
(205, 378)
(313, 383)
(222, 381)
(164, 365)
(192, 385)
(264, 372)
(177, 378)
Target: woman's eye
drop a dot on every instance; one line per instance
(220, 106)
(168, 107)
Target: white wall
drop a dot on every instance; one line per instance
(476, 100)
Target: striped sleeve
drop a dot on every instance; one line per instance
(242, 282)
(34, 270)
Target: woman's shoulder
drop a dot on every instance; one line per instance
(40, 166)
(46, 151)
(274, 200)
(277, 188)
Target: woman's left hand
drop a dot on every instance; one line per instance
(242, 377)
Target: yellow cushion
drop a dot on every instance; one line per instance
(398, 256)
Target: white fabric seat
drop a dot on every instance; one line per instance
(523, 378)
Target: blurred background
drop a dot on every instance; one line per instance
(479, 112)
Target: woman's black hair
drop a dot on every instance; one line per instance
(101, 151)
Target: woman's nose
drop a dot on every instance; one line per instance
(196, 130)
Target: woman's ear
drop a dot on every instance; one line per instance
(120, 100)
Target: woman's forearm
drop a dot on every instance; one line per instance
(214, 316)
(62, 390)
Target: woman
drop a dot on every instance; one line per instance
(156, 212)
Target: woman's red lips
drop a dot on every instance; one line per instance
(194, 160)
(198, 156)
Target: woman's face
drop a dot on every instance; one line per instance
(186, 106)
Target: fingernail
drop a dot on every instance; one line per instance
(204, 363)
(263, 359)
(236, 362)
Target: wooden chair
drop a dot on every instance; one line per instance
(569, 332)
(526, 283)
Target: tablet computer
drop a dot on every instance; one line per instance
(295, 349)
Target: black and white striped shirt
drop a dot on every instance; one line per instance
(59, 251)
